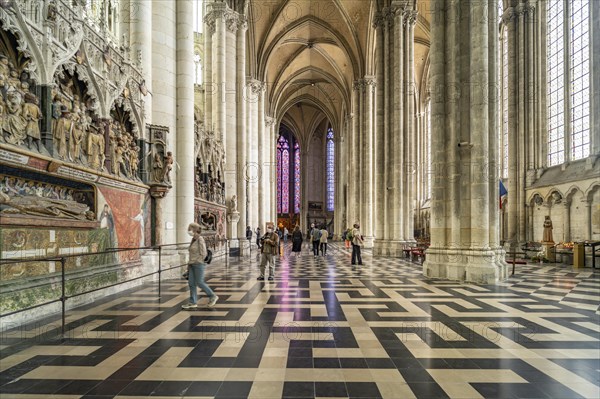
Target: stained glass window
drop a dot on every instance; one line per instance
(330, 170)
(283, 175)
(556, 73)
(580, 78)
(297, 178)
(568, 19)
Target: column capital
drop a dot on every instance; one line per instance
(519, 9)
(410, 17)
(509, 15)
(255, 85)
(232, 21)
(379, 20)
(242, 23)
(269, 121)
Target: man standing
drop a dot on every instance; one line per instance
(315, 236)
(357, 243)
(270, 248)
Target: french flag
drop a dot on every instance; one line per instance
(503, 191)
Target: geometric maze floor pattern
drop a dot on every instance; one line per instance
(321, 329)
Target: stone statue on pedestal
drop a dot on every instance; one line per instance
(547, 237)
(233, 204)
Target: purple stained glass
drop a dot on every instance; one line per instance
(283, 175)
(285, 181)
(330, 170)
(297, 178)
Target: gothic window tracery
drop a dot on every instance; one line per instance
(283, 175)
(297, 178)
(568, 104)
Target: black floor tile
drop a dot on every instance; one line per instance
(353, 363)
(298, 389)
(234, 389)
(203, 388)
(140, 388)
(326, 363)
(172, 388)
(427, 390)
(78, 387)
(331, 389)
(362, 390)
(109, 387)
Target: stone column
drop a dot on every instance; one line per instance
(411, 131)
(164, 103)
(185, 118)
(595, 79)
(476, 258)
(263, 160)
(242, 133)
(140, 38)
(588, 218)
(396, 183)
(367, 202)
(353, 173)
(382, 103)
(269, 170)
(253, 167)
(219, 104)
(209, 86)
(566, 221)
(46, 124)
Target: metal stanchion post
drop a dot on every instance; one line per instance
(159, 269)
(63, 299)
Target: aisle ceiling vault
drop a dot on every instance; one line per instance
(309, 52)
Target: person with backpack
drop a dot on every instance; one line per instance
(196, 264)
(357, 243)
(323, 243)
(315, 236)
(270, 248)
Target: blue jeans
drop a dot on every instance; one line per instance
(196, 279)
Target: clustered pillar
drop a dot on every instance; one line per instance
(464, 239)
(527, 150)
(395, 133)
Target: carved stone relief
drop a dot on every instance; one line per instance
(210, 162)
(20, 196)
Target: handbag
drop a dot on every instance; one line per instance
(208, 257)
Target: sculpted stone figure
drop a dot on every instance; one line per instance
(14, 122)
(233, 203)
(167, 168)
(37, 206)
(32, 115)
(95, 150)
(547, 237)
(157, 168)
(62, 133)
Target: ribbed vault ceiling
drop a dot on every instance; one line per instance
(309, 52)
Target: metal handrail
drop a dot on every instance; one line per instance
(63, 258)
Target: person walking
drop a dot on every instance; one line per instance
(324, 236)
(315, 236)
(297, 240)
(357, 243)
(248, 233)
(270, 248)
(285, 234)
(197, 254)
(258, 237)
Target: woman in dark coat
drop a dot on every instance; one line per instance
(297, 240)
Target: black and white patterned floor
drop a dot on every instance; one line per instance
(322, 329)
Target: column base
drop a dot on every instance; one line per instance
(369, 241)
(482, 266)
(392, 248)
(549, 251)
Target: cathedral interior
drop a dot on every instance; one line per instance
(460, 140)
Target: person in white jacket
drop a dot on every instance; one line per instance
(324, 235)
(197, 254)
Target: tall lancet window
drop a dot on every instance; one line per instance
(296, 178)
(568, 80)
(330, 170)
(283, 175)
(504, 74)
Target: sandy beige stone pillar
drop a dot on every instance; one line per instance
(185, 118)
(140, 38)
(367, 200)
(381, 113)
(209, 86)
(242, 132)
(475, 258)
